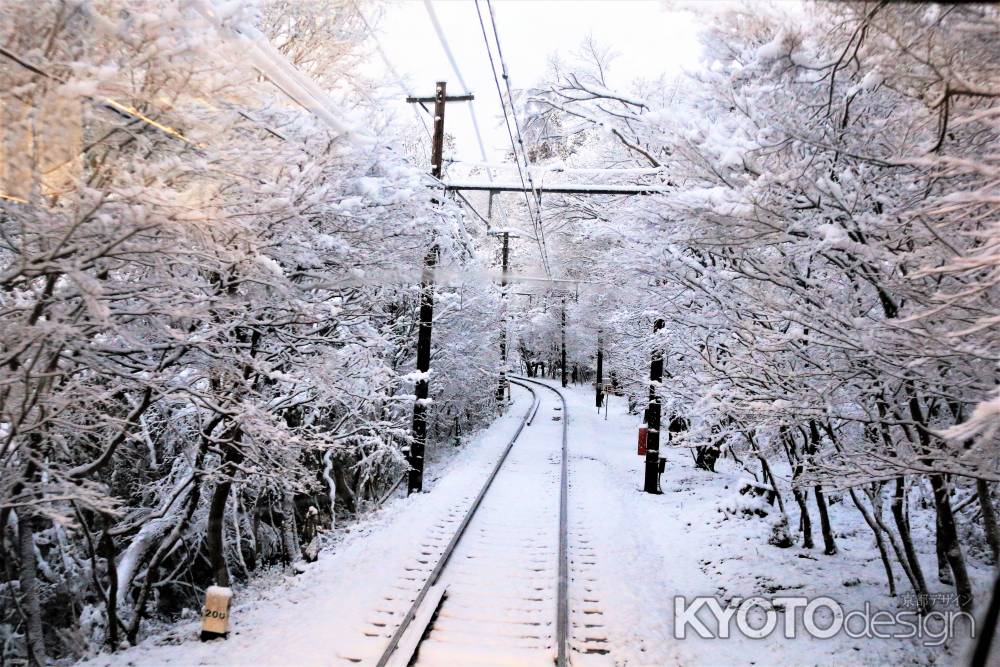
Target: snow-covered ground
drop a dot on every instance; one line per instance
(321, 617)
(649, 549)
(631, 554)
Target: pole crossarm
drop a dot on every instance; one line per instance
(563, 189)
(448, 98)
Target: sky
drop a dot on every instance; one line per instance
(650, 39)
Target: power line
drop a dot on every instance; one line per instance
(388, 64)
(461, 80)
(517, 126)
(442, 38)
(276, 60)
(536, 222)
(510, 94)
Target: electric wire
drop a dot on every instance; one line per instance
(461, 80)
(535, 221)
(510, 95)
(443, 39)
(517, 126)
(389, 66)
(136, 116)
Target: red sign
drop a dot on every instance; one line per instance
(642, 440)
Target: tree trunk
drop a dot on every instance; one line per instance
(805, 524)
(707, 455)
(769, 479)
(289, 535)
(34, 635)
(916, 572)
(944, 570)
(811, 444)
(879, 542)
(152, 571)
(349, 498)
(215, 535)
(830, 546)
(989, 519)
(947, 535)
(948, 542)
(106, 549)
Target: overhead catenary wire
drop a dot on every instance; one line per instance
(285, 72)
(536, 220)
(296, 85)
(517, 126)
(446, 47)
(391, 69)
(267, 61)
(461, 80)
(114, 105)
(611, 171)
(510, 95)
(282, 74)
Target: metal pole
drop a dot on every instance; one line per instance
(653, 416)
(563, 329)
(599, 388)
(415, 478)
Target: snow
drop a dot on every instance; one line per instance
(219, 591)
(272, 64)
(601, 91)
(630, 554)
(871, 80)
(805, 278)
(833, 236)
(648, 548)
(270, 265)
(321, 616)
(79, 88)
(368, 187)
(416, 376)
(773, 49)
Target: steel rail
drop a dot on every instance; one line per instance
(562, 602)
(534, 412)
(456, 538)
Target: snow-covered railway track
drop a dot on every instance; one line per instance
(498, 591)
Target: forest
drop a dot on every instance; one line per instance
(210, 293)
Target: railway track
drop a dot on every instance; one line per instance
(498, 591)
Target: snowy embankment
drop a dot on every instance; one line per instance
(319, 617)
(633, 553)
(652, 548)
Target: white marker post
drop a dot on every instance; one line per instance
(215, 613)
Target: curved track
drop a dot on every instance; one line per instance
(562, 613)
(498, 593)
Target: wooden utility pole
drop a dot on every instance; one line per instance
(563, 330)
(415, 478)
(652, 472)
(505, 258)
(599, 384)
